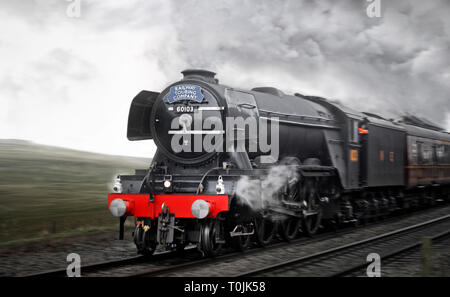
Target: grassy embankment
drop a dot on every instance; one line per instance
(49, 192)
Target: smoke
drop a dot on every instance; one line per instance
(265, 192)
(248, 191)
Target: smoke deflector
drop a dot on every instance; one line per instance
(139, 116)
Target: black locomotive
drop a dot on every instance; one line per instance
(333, 165)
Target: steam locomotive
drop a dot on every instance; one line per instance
(215, 180)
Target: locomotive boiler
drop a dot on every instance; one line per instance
(237, 166)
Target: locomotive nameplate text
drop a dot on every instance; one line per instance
(185, 92)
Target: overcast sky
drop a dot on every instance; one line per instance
(70, 81)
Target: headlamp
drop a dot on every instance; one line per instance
(118, 207)
(200, 209)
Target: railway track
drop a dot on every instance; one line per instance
(229, 255)
(163, 263)
(233, 260)
(345, 259)
(410, 262)
(186, 269)
(169, 263)
(108, 265)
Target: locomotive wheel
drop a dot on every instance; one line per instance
(137, 237)
(265, 231)
(313, 214)
(311, 224)
(375, 213)
(363, 220)
(180, 249)
(289, 228)
(208, 239)
(241, 243)
(432, 199)
(142, 241)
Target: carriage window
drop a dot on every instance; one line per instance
(427, 154)
(414, 154)
(440, 153)
(446, 154)
(434, 158)
(419, 153)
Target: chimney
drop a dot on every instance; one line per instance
(200, 74)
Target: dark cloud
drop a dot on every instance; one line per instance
(392, 64)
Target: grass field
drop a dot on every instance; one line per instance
(47, 192)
